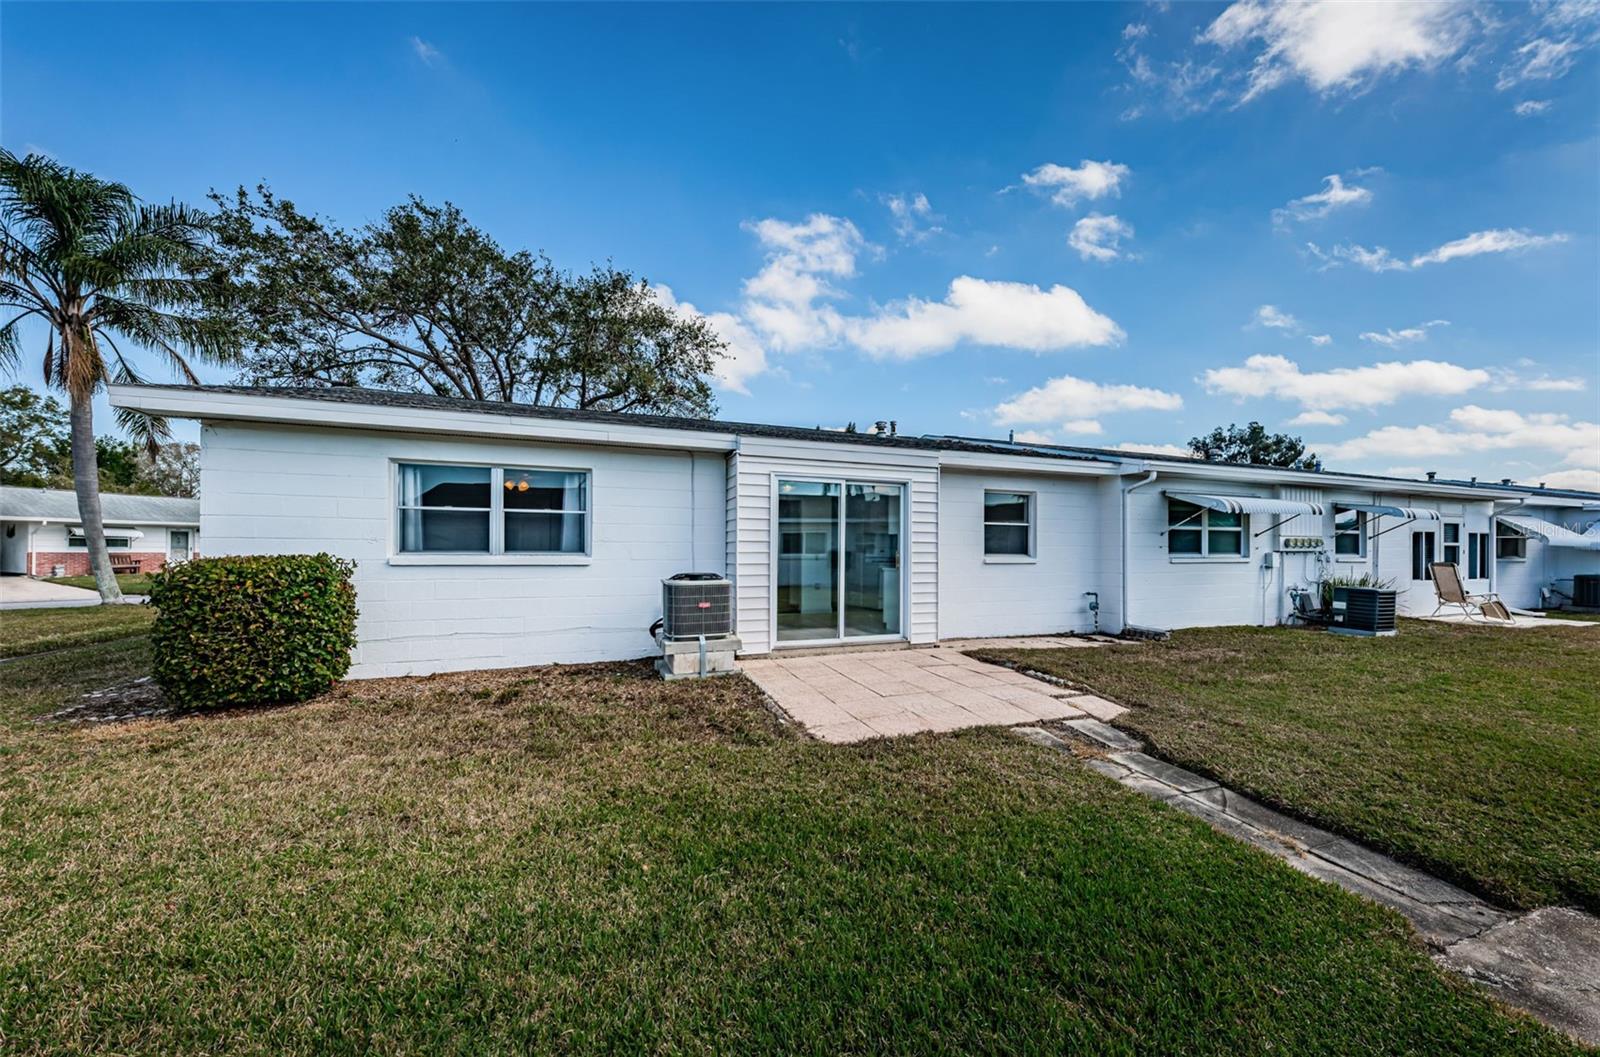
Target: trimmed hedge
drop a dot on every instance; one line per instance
(258, 630)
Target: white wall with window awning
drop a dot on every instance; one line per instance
(111, 530)
(1552, 534)
(1406, 513)
(1248, 504)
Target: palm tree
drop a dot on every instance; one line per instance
(95, 265)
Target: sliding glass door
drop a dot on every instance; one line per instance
(839, 561)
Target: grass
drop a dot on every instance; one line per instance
(1562, 614)
(26, 631)
(1473, 752)
(588, 859)
(131, 584)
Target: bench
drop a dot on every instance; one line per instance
(125, 566)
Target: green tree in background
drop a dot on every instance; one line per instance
(422, 301)
(1252, 444)
(100, 269)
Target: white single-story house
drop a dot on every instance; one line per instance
(41, 533)
(1544, 542)
(494, 535)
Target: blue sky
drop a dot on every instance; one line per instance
(1104, 224)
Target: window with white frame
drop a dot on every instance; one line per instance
(491, 510)
(1510, 542)
(1477, 555)
(113, 543)
(1452, 543)
(1349, 532)
(1008, 524)
(1196, 532)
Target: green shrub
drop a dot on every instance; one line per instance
(258, 630)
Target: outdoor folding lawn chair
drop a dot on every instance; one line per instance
(1447, 582)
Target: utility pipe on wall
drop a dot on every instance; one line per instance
(1127, 534)
(1494, 544)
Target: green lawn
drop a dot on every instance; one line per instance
(25, 631)
(1471, 751)
(131, 584)
(1559, 614)
(588, 859)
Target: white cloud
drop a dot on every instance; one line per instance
(425, 52)
(1494, 240)
(743, 359)
(1540, 59)
(1531, 107)
(1075, 403)
(782, 300)
(1033, 436)
(1135, 31)
(1391, 337)
(1271, 316)
(1322, 339)
(912, 216)
(1066, 185)
(1317, 418)
(1097, 237)
(1332, 45)
(1498, 240)
(1474, 429)
(1175, 451)
(983, 312)
(1583, 480)
(1334, 195)
(1342, 387)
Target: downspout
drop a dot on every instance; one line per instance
(1127, 533)
(1494, 545)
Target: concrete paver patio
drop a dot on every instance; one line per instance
(845, 697)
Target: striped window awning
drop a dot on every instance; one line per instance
(1404, 513)
(1248, 504)
(111, 530)
(1552, 534)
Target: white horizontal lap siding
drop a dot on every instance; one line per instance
(279, 489)
(1047, 594)
(753, 469)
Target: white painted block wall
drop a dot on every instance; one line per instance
(1519, 582)
(981, 597)
(273, 490)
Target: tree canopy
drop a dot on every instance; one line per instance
(423, 301)
(1254, 445)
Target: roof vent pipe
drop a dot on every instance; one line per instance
(880, 427)
(1432, 474)
(894, 428)
(1011, 437)
(1474, 480)
(1505, 480)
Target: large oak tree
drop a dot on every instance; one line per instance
(421, 300)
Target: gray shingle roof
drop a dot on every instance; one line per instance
(59, 504)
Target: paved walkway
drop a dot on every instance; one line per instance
(1546, 962)
(845, 697)
(24, 592)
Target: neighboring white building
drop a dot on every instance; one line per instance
(1545, 538)
(40, 531)
(491, 535)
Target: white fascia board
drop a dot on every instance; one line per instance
(1267, 475)
(237, 407)
(1001, 463)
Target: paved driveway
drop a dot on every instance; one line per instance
(24, 592)
(845, 697)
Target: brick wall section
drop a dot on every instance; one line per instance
(77, 561)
